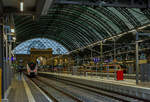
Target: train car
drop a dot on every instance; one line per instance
(32, 69)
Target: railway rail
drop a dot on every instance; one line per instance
(76, 90)
(44, 86)
(107, 93)
(82, 94)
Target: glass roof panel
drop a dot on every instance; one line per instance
(40, 43)
(106, 19)
(124, 19)
(139, 15)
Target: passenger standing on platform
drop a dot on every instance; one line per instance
(20, 70)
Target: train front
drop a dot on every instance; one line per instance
(32, 69)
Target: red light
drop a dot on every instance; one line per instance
(35, 70)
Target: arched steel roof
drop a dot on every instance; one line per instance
(76, 26)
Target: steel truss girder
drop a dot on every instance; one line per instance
(72, 29)
(69, 28)
(63, 23)
(109, 3)
(83, 25)
(48, 35)
(32, 25)
(89, 23)
(87, 14)
(114, 18)
(129, 16)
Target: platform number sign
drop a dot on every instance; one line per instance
(96, 60)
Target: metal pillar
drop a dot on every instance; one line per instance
(96, 68)
(1, 63)
(114, 49)
(107, 72)
(10, 49)
(101, 51)
(101, 54)
(91, 60)
(68, 65)
(6, 64)
(137, 58)
(10, 64)
(115, 59)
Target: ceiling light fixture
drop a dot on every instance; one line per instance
(21, 6)
(12, 30)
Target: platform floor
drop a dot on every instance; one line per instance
(17, 93)
(23, 90)
(125, 82)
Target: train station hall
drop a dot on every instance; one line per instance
(74, 50)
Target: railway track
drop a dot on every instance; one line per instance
(114, 95)
(62, 93)
(59, 93)
(81, 94)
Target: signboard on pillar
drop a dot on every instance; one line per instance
(7, 30)
(96, 60)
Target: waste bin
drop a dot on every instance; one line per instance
(120, 75)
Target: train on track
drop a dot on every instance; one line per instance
(32, 69)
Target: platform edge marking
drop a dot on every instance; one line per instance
(28, 91)
(7, 92)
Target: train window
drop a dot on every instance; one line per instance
(32, 66)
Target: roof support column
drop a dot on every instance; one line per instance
(101, 56)
(137, 58)
(1, 61)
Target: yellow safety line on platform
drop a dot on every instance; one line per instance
(28, 91)
(0, 85)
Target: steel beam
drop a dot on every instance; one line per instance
(109, 3)
(39, 6)
(137, 58)
(43, 6)
(148, 3)
(1, 7)
(10, 50)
